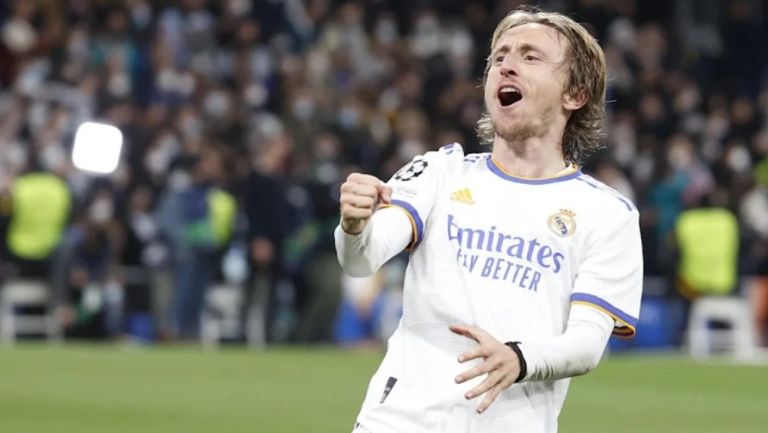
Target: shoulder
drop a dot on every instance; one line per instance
(450, 149)
(446, 162)
(441, 160)
(456, 162)
(610, 220)
(454, 158)
(602, 196)
(452, 155)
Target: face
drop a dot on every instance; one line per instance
(209, 167)
(524, 86)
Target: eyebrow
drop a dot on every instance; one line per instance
(523, 48)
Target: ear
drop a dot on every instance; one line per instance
(574, 101)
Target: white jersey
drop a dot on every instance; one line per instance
(509, 256)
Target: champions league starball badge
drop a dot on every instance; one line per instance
(412, 170)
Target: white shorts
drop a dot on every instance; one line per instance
(360, 429)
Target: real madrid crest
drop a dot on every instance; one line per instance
(562, 223)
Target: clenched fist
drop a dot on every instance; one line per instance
(361, 194)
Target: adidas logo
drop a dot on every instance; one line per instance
(462, 196)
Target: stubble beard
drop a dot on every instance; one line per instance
(522, 129)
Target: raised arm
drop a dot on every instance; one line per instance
(368, 235)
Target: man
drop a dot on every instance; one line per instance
(40, 205)
(189, 215)
(521, 266)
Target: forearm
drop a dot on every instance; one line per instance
(387, 233)
(577, 351)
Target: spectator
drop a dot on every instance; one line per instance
(375, 82)
(40, 204)
(89, 300)
(752, 211)
(188, 222)
(269, 220)
(141, 254)
(708, 241)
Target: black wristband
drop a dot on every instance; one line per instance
(515, 346)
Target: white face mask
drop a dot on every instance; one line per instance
(101, 210)
(738, 159)
(53, 156)
(679, 157)
(185, 84)
(349, 117)
(255, 95)
(78, 44)
(179, 180)
(15, 154)
(239, 8)
(92, 298)
(216, 104)
(717, 126)
(164, 79)
(156, 162)
(191, 126)
(119, 85)
(160, 156)
(386, 32)
(19, 36)
(303, 108)
(141, 14)
(144, 226)
(37, 114)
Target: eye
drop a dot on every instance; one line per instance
(530, 58)
(498, 59)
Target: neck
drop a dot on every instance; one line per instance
(533, 158)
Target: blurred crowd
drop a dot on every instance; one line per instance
(241, 118)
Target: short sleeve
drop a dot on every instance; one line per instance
(610, 275)
(415, 186)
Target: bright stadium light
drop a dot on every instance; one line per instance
(97, 147)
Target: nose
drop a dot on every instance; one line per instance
(508, 67)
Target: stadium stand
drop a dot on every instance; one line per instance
(293, 95)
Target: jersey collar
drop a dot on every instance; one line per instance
(569, 173)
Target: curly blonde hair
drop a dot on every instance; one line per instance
(587, 76)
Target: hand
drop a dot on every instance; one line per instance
(65, 315)
(500, 363)
(360, 196)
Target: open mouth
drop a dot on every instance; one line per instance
(509, 95)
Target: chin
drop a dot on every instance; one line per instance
(506, 124)
(515, 131)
